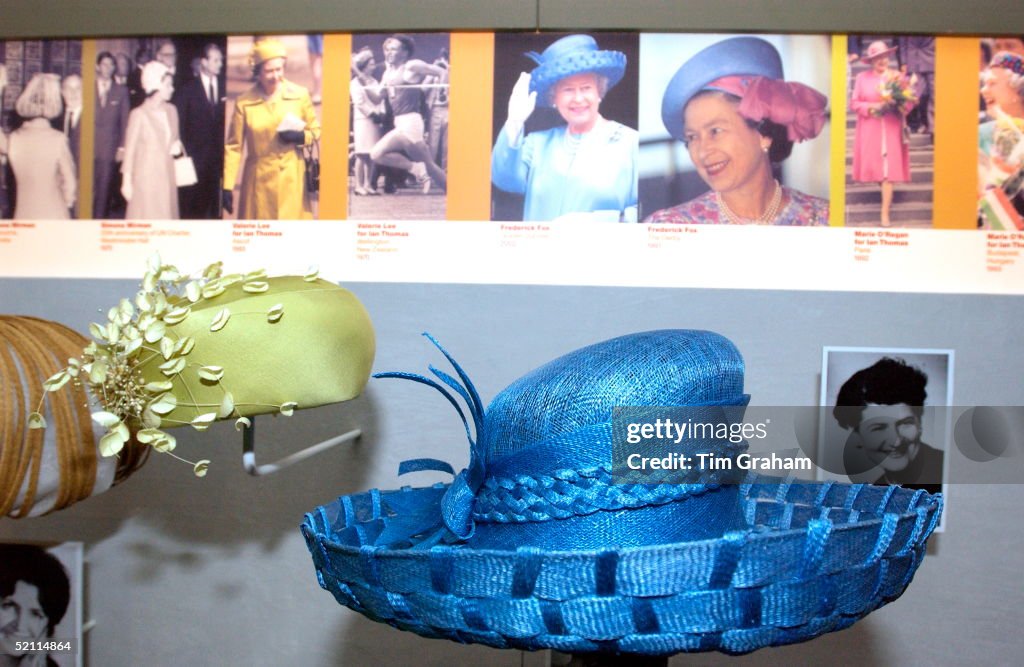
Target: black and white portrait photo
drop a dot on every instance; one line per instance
(158, 99)
(884, 421)
(40, 128)
(399, 92)
(41, 605)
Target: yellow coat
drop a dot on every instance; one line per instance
(272, 183)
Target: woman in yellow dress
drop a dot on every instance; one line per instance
(273, 120)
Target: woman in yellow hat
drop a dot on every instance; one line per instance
(273, 120)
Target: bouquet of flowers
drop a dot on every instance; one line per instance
(1007, 152)
(897, 90)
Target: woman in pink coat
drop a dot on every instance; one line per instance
(151, 144)
(880, 154)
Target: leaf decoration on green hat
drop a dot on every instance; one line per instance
(220, 319)
(141, 333)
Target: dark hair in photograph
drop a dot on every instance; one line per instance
(210, 47)
(407, 42)
(888, 381)
(781, 146)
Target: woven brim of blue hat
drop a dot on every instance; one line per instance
(736, 56)
(575, 54)
(816, 558)
(536, 544)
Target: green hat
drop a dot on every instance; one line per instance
(193, 351)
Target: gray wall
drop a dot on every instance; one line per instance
(213, 571)
(181, 570)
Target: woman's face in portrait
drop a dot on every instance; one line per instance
(166, 88)
(890, 435)
(998, 92)
(578, 100)
(1011, 44)
(880, 64)
(21, 618)
(728, 153)
(271, 74)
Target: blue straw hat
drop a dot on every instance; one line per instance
(571, 55)
(736, 56)
(533, 546)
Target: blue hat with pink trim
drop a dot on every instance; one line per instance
(736, 56)
(537, 544)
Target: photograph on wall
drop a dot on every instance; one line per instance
(399, 92)
(890, 133)
(41, 604)
(884, 420)
(1001, 134)
(199, 100)
(734, 129)
(40, 128)
(159, 108)
(271, 146)
(564, 127)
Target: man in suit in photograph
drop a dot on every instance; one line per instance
(134, 79)
(71, 93)
(112, 107)
(124, 69)
(201, 119)
(167, 53)
(917, 53)
(71, 126)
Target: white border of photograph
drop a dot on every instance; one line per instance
(936, 364)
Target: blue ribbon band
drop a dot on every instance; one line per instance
(577, 462)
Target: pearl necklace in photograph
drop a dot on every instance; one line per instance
(765, 218)
(573, 141)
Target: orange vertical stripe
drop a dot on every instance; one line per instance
(956, 132)
(87, 123)
(334, 112)
(469, 126)
(837, 125)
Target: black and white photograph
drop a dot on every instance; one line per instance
(199, 100)
(41, 604)
(883, 422)
(40, 114)
(399, 92)
(159, 103)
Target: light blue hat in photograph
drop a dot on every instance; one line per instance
(736, 56)
(534, 545)
(574, 54)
